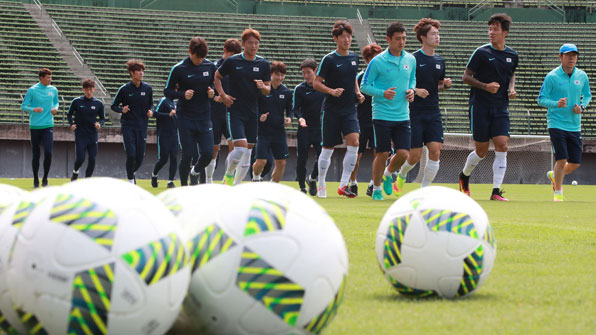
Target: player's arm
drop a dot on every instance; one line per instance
(71, 111)
(320, 78)
(544, 97)
(263, 86)
(228, 100)
(288, 108)
(26, 105)
(511, 91)
(102, 115)
(586, 94)
(170, 90)
(55, 104)
(118, 101)
(444, 83)
(368, 81)
(468, 78)
(411, 91)
(151, 106)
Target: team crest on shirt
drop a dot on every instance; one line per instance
(406, 67)
(281, 96)
(206, 74)
(92, 107)
(255, 69)
(354, 62)
(438, 66)
(142, 93)
(508, 60)
(577, 82)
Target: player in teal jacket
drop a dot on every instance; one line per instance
(41, 102)
(566, 94)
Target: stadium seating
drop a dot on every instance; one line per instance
(453, 3)
(23, 50)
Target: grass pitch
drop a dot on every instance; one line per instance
(543, 281)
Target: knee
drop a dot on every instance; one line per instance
(501, 147)
(281, 163)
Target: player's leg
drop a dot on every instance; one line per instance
(315, 141)
(331, 136)
(279, 149)
(128, 141)
(35, 154)
(364, 142)
(141, 144)
(417, 141)
(162, 158)
(48, 145)
(302, 153)
(174, 145)
(92, 148)
(80, 148)
(401, 137)
(500, 136)
(238, 137)
(204, 137)
(351, 131)
(261, 154)
(251, 128)
(433, 138)
(189, 150)
(381, 176)
(479, 121)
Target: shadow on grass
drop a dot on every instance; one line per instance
(396, 297)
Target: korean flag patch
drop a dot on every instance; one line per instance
(143, 93)
(577, 82)
(92, 107)
(281, 96)
(255, 69)
(508, 60)
(354, 62)
(206, 74)
(438, 66)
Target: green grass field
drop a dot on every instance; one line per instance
(543, 282)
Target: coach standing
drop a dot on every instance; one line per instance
(41, 102)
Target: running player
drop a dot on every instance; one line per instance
(365, 121)
(425, 115)
(275, 110)
(134, 101)
(336, 78)
(307, 109)
(491, 73)
(250, 75)
(167, 140)
(390, 79)
(193, 77)
(566, 93)
(41, 102)
(89, 117)
(218, 110)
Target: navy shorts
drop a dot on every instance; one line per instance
(167, 143)
(488, 122)
(335, 127)
(367, 138)
(193, 134)
(566, 145)
(426, 127)
(274, 142)
(243, 127)
(398, 132)
(220, 126)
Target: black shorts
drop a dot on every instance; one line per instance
(488, 122)
(243, 127)
(193, 134)
(220, 126)
(398, 132)
(566, 145)
(335, 127)
(272, 141)
(367, 138)
(426, 127)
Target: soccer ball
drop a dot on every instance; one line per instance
(436, 241)
(9, 194)
(268, 260)
(99, 256)
(574, 183)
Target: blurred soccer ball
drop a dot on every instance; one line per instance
(574, 183)
(269, 261)
(98, 256)
(436, 241)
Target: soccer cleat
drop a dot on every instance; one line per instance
(194, 178)
(35, 183)
(387, 181)
(228, 180)
(498, 195)
(154, 181)
(551, 176)
(322, 192)
(303, 190)
(171, 184)
(354, 189)
(257, 179)
(558, 198)
(345, 191)
(377, 195)
(75, 176)
(398, 186)
(312, 186)
(44, 182)
(464, 183)
(369, 190)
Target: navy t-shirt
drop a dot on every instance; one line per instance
(166, 124)
(307, 104)
(139, 100)
(364, 109)
(339, 72)
(86, 112)
(429, 71)
(218, 108)
(191, 77)
(242, 74)
(488, 65)
(278, 103)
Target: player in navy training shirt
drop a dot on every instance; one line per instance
(307, 104)
(89, 116)
(193, 76)
(365, 120)
(490, 72)
(425, 115)
(167, 140)
(134, 101)
(250, 75)
(275, 110)
(336, 78)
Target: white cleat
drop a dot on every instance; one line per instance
(322, 192)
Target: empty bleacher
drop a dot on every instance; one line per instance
(451, 3)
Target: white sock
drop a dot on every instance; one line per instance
(192, 171)
(559, 191)
(349, 162)
(324, 162)
(209, 171)
(77, 171)
(377, 188)
(371, 182)
(405, 168)
(387, 173)
(256, 176)
(132, 181)
(471, 162)
(152, 175)
(353, 182)
(430, 172)
(234, 159)
(243, 167)
(499, 168)
(170, 181)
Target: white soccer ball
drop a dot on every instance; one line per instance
(271, 261)
(574, 183)
(101, 256)
(436, 241)
(9, 194)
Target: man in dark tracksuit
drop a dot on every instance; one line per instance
(134, 101)
(167, 140)
(194, 78)
(89, 116)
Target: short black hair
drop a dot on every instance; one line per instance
(395, 27)
(198, 46)
(503, 19)
(340, 26)
(310, 63)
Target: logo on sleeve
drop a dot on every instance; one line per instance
(143, 94)
(255, 69)
(508, 60)
(354, 62)
(206, 74)
(438, 66)
(577, 82)
(281, 96)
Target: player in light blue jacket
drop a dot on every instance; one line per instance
(41, 102)
(390, 79)
(566, 94)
